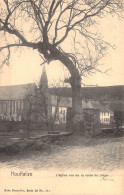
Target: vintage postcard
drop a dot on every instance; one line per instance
(61, 97)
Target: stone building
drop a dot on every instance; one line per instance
(14, 102)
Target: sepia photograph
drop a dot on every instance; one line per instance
(61, 97)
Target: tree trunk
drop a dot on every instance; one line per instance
(74, 80)
(78, 121)
(76, 97)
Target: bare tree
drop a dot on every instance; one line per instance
(39, 109)
(45, 25)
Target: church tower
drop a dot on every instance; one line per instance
(43, 80)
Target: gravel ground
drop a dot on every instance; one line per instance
(73, 153)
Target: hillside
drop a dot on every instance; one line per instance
(96, 93)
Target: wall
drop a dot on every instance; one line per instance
(61, 114)
(13, 110)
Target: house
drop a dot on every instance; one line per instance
(62, 104)
(105, 113)
(94, 107)
(59, 107)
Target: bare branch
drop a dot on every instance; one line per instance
(46, 24)
(11, 45)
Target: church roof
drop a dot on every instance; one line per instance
(15, 91)
(43, 80)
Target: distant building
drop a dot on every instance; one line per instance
(105, 113)
(62, 104)
(13, 102)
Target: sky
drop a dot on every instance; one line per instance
(25, 66)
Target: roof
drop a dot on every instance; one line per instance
(43, 80)
(64, 102)
(61, 101)
(84, 105)
(105, 109)
(117, 105)
(15, 91)
(94, 105)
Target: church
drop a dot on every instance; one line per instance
(15, 104)
(14, 101)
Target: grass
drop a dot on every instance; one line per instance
(13, 146)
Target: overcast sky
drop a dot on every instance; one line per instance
(25, 66)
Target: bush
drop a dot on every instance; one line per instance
(23, 146)
(10, 149)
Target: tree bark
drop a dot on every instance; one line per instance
(76, 97)
(78, 120)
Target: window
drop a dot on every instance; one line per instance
(64, 117)
(53, 110)
(18, 104)
(13, 106)
(22, 105)
(10, 106)
(0, 106)
(20, 118)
